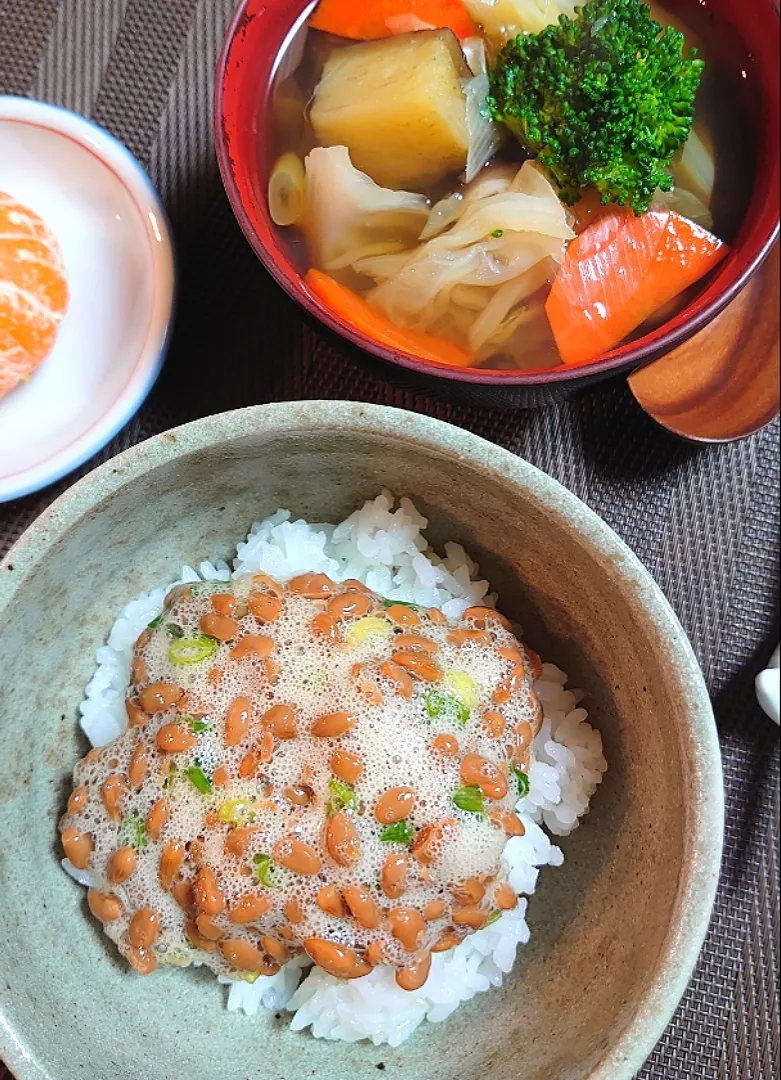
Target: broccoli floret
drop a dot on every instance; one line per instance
(603, 100)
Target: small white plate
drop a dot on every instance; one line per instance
(118, 255)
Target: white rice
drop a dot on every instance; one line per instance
(386, 549)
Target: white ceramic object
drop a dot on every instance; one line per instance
(769, 688)
(115, 241)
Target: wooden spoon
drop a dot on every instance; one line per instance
(725, 383)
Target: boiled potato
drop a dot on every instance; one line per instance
(398, 107)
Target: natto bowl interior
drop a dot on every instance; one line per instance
(744, 42)
(616, 931)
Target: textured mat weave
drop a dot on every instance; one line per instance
(705, 521)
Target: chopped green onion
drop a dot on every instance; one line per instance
(360, 631)
(497, 234)
(132, 832)
(263, 870)
(524, 784)
(400, 603)
(343, 797)
(469, 799)
(196, 726)
(320, 681)
(177, 957)
(400, 833)
(463, 687)
(438, 704)
(155, 623)
(168, 783)
(241, 611)
(199, 779)
(250, 977)
(237, 812)
(193, 650)
(495, 917)
(174, 631)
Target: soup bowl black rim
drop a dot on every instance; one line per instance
(623, 360)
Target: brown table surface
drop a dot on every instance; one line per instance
(704, 520)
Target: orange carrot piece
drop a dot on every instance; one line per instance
(621, 270)
(356, 313)
(367, 20)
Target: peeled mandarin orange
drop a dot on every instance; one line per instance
(33, 292)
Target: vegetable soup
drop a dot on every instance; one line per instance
(480, 185)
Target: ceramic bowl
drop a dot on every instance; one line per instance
(615, 932)
(742, 38)
(115, 242)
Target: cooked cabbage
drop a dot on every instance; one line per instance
(499, 318)
(444, 214)
(484, 134)
(687, 204)
(492, 181)
(694, 167)
(498, 241)
(349, 217)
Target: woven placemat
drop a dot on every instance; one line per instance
(703, 520)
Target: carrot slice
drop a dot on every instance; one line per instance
(367, 20)
(621, 270)
(356, 313)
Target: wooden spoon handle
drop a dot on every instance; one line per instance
(725, 382)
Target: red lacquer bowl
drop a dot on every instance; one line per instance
(746, 35)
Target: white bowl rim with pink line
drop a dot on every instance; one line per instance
(116, 244)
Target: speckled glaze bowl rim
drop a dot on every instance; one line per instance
(704, 795)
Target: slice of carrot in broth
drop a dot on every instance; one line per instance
(621, 270)
(368, 20)
(354, 311)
